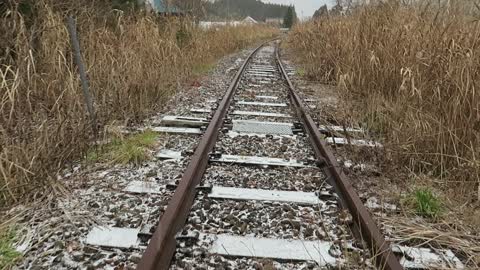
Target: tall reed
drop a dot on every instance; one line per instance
(134, 61)
(413, 73)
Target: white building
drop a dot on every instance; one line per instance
(207, 25)
(249, 20)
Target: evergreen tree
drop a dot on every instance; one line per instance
(321, 12)
(290, 17)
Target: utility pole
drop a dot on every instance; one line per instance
(72, 29)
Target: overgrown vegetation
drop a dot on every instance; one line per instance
(131, 150)
(412, 72)
(8, 254)
(425, 202)
(300, 72)
(134, 60)
(202, 68)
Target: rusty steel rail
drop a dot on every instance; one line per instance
(368, 231)
(162, 245)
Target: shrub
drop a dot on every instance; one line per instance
(8, 254)
(425, 202)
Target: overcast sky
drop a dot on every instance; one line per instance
(304, 8)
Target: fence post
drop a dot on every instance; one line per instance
(72, 29)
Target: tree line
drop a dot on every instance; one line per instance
(220, 9)
(235, 9)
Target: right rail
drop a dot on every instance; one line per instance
(348, 197)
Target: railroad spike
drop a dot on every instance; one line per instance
(189, 238)
(146, 232)
(321, 162)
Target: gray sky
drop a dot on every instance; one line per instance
(304, 8)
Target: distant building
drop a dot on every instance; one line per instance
(164, 7)
(207, 25)
(274, 21)
(249, 20)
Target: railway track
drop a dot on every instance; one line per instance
(262, 187)
(261, 190)
(241, 182)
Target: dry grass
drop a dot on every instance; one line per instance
(134, 61)
(438, 235)
(412, 73)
